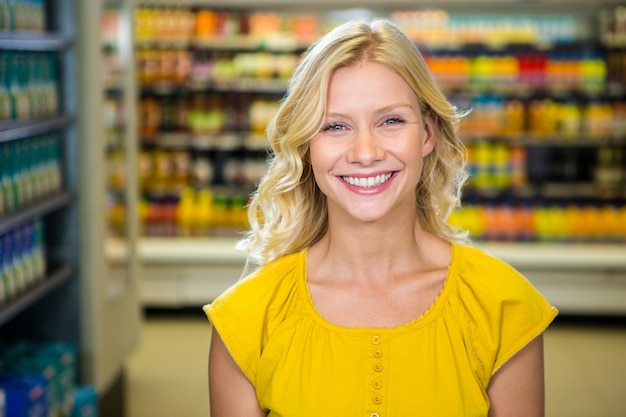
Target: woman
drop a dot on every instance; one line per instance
(365, 302)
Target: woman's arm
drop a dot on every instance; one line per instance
(230, 392)
(517, 388)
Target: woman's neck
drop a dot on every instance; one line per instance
(377, 251)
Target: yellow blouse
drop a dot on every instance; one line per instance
(439, 364)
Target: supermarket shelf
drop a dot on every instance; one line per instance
(179, 272)
(245, 43)
(10, 221)
(556, 256)
(32, 295)
(11, 130)
(184, 251)
(33, 41)
(548, 191)
(278, 86)
(576, 278)
(579, 141)
(224, 141)
(241, 85)
(181, 251)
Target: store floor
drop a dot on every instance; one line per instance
(585, 367)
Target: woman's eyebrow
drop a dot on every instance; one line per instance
(384, 109)
(395, 106)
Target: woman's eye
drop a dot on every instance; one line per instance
(332, 127)
(394, 121)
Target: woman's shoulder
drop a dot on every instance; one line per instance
(271, 282)
(501, 305)
(476, 267)
(248, 313)
(492, 290)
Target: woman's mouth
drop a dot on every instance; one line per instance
(367, 182)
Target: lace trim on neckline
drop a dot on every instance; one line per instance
(426, 317)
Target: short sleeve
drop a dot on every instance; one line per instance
(521, 321)
(246, 314)
(231, 315)
(505, 310)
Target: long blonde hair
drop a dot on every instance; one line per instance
(288, 211)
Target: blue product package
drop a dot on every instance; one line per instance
(25, 395)
(56, 362)
(85, 402)
(64, 356)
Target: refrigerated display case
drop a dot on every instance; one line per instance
(552, 187)
(52, 220)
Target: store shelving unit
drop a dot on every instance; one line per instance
(577, 278)
(62, 271)
(201, 269)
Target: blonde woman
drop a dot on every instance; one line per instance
(363, 300)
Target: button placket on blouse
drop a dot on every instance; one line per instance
(377, 381)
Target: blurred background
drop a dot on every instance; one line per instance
(132, 135)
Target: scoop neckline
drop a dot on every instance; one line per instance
(424, 319)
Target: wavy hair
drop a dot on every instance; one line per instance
(288, 212)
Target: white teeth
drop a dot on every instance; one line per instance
(367, 182)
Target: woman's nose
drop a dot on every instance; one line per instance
(365, 148)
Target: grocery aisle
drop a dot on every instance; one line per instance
(585, 368)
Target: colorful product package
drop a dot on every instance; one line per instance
(24, 395)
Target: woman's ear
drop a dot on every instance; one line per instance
(430, 137)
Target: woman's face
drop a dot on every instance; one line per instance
(367, 158)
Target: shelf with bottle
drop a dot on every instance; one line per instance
(500, 135)
(539, 48)
(611, 27)
(28, 87)
(217, 179)
(31, 189)
(543, 120)
(29, 102)
(613, 39)
(578, 69)
(503, 170)
(24, 273)
(535, 92)
(567, 222)
(209, 212)
(32, 145)
(232, 29)
(220, 106)
(574, 74)
(30, 117)
(579, 95)
(574, 68)
(169, 71)
(23, 15)
(30, 173)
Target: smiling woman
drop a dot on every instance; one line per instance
(364, 301)
(371, 144)
(289, 201)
